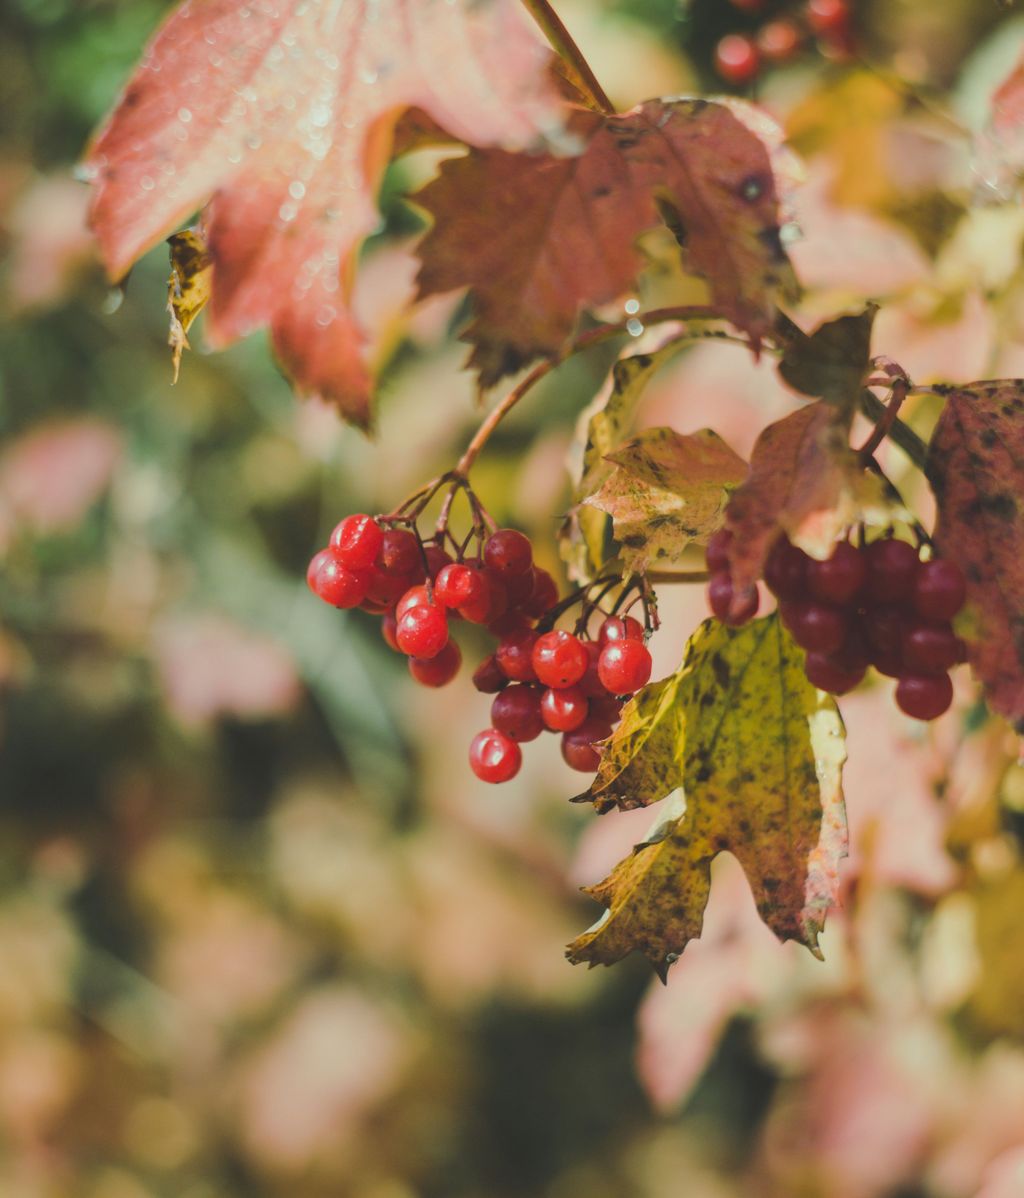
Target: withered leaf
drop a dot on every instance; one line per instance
(832, 362)
(188, 288)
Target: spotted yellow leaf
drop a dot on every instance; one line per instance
(188, 288)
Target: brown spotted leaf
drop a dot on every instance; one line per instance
(758, 753)
(666, 491)
(536, 238)
(976, 469)
(188, 288)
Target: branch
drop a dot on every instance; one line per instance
(560, 40)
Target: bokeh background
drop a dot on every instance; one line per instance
(262, 935)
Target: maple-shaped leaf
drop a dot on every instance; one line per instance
(536, 238)
(280, 113)
(758, 754)
(666, 491)
(976, 468)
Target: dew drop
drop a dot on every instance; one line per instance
(288, 211)
(632, 306)
(296, 189)
(325, 316)
(147, 183)
(634, 327)
(113, 300)
(368, 75)
(184, 115)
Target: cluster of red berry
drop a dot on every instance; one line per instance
(876, 605)
(542, 678)
(739, 57)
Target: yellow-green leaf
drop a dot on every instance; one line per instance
(665, 491)
(758, 753)
(188, 288)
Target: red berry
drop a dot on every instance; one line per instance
(590, 684)
(564, 710)
(892, 567)
(939, 589)
(579, 755)
(827, 674)
(924, 696)
(930, 648)
(621, 628)
(497, 596)
(559, 659)
(514, 655)
(518, 587)
(778, 41)
(716, 555)
(883, 628)
(389, 628)
(494, 757)
(437, 558)
(478, 609)
(785, 571)
(357, 541)
(544, 595)
(508, 552)
(887, 662)
(726, 605)
(516, 712)
(624, 666)
(387, 589)
(488, 677)
(414, 597)
(422, 631)
(815, 626)
(854, 654)
(456, 584)
(736, 58)
(509, 624)
(399, 552)
(828, 16)
(438, 670)
(840, 578)
(606, 708)
(333, 582)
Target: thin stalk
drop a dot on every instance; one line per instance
(902, 434)
(560, 40)
(899, 392)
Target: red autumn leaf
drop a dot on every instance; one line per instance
(536, 237)
(976, 469)
(281, 112)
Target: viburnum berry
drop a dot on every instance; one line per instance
(620, 628)
(828, 16)
(422, 631)
(891, 569)
(399, 552)
(779, 40)
(508, 551)
(494, 757)
(414, 597)
(716, 553)
(437, 558)
(516, 712)
(840, 578)
(939, 589)
(514, 656)
(924, 696)
(930, 648)
(736, 58)
(456, 584)
(544, 595)
(334, 582)
(488, 677)
(438, 670)
(357, 541)
(606, 708)
(579, 748)
(723, 601)
(559, 659)
(883, 628)
(815, 626)
(785, 571)
(564, 710)
(518, 588)
(387, 589)
(827, 674)
(478, 609)
(389, 629)
(624, 666)
(590, 684)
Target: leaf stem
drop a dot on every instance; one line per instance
(560, 40)
(903, 435)
(900, 390)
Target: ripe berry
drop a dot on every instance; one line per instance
(564, 710)
(399, 552)
(488, 677)
(333, 582)
(883, 628)
(930, 648)
(357, 541)
(939, 589)
(579, 747)
(422, 631)
(388, 629)
(494, 757)
(518, 587)
(924, 696)
(726, 605)
(590, 684)
(621, 628)
(624, 666)
(779, 40)
(508, 552)
(387, 589)
(438, 670)
(437, 559)
(785, 571)
(815, 626)
(516, 712)
(456, 584)
(736, 58)
(514, 655)
(606, 708)
(892, 567)
(478, 610)
(414, 597)
(827, 674)
(828, 16)
(559, 659)
(840, 578)
(716, 555)
(544, 595)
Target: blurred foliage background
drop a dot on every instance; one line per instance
(261, 933)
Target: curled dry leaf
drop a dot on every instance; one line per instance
(537, 238)
(976, 469)
(758, 753)
(280, 113)
(666, 491)
(188, 288)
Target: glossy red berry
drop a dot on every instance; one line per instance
(716, 555)
(518, 587)
(891, 568)
(414, 597)
(840, 578)
(457, 584)
(828, 16)
(621, 628)
(494, 757)
(399, 552)
(924, 696)
(508, 552)
(827, 674)
(930, 648)
(386, 589)
(478, 609)
(590, 684)
(624, 666)
(785, 571)
(559, 659)
(437, 559)
(606, 708)
(438, 670)
(389, 629)
(939, 589)
(357, 541)
(564, 710)
(334, 582)
(488, 677)
(422, 631)
(579, 748)
(727, 606)
(736, 58)
(883, 628)
(514, 655)
(544, 595)
(815, 626)
(516, 712)
(779, 40)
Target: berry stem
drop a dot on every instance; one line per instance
(560, 40)
(902, 434)
(898, 393)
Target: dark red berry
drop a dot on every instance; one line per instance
(624, 666)
(422, 631)
(559, 659)
(924, 696)
(827, 674)
(518, 587)
(508, 552)
(437, 559)
(564, 710)
(891, 568)
(606, 708)
(590, 684)
(854, 654)
(514, 656)
(544, 595)
(478, 609)
(838, 579)
(497, 596)
(815, 626)
(516, 712)
(736, 58)
(716, 555)
(389, 629)
(334, 582)
(399, 552)
(930, 648)
(438, 670)
(488, 677)
(785, 571)
(456, 585)
(828, 16)
(580, 755)
(387, 589)
(621, 628)
(888, 662)
(508, 624)
(939, 589)
(727, 606)
(494, 757)
(357, 541)
(779, 40)
(414, 597)
(883, 628)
